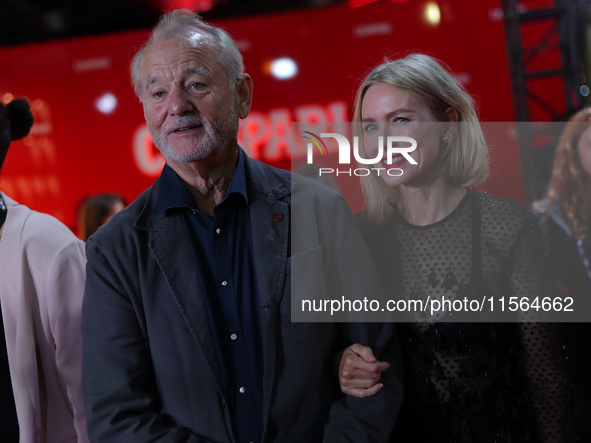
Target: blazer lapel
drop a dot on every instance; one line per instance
(268, 194)
(173, 255)
(269, 219)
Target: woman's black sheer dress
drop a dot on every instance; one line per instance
(474, 382)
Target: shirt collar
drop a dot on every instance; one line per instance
(238, 183)
(172, 193)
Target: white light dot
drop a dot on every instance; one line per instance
(284, 68)
(584, 90)
(106, 103)
(432, 13)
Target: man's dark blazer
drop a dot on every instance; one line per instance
(150, 371)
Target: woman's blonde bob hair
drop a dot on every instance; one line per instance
(466, 157)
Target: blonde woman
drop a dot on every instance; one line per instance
(433, 236)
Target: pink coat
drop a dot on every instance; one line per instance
(42, 273)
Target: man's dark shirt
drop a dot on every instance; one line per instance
(222, 249)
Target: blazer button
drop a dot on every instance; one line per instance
(277, 217)
(223, 402)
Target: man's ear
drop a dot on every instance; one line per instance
(244, 96)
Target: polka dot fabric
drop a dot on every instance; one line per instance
(474, 382)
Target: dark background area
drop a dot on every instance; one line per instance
(562, 27)
(26, 21)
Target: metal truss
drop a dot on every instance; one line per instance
(552, 57)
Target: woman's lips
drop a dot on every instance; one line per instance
(397, 161)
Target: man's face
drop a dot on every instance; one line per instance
(188, 103)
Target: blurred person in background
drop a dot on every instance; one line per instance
(564, 216)
(96, 211)
(434, 237)
(41, 291)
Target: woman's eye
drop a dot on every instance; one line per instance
(400, 120)
(197, 85)
(370, 127)
(158, 94)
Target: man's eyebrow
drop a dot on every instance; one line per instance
(200, 70)
(197, 70)
(150, 82)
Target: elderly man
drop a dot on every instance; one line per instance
(187, 333)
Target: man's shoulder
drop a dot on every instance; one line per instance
(134, 217)
(266, 177)
(269, 177)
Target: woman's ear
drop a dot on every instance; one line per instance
(452, 117)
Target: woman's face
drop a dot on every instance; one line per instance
(390, 111)
(584, 149)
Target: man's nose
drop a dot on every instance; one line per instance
(180, 102)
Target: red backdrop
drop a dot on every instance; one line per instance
(76, 150)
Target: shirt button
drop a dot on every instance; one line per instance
(233, 336)
(242, 389)
(224, 283)
(218, 231)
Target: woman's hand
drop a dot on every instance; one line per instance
(359, 371)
